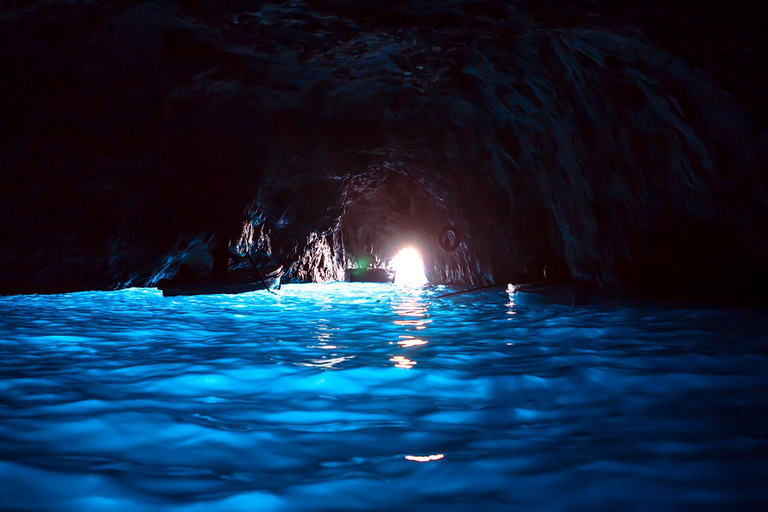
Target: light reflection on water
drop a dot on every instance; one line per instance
(412, 305)
(325, 397)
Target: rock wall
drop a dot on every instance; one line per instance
(542, 131)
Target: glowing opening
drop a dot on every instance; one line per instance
(409, 268)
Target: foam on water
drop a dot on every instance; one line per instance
(362, 396)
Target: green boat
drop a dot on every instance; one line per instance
(366, 275)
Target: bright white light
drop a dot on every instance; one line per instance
(425, 458)
(409, 268)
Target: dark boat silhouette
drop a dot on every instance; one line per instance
(236, 281)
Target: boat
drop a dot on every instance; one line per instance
(236, 281)
(369, 275)
(535, 294)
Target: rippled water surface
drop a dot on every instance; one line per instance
(358, 396)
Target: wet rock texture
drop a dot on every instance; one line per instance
(544, 132)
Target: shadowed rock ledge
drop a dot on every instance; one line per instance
(542, 131)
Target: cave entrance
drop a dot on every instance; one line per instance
(395, 215)
(409, 267)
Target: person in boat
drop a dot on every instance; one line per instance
(185, 274)
(368, 259)
(547, 267)
(223, 254)
(220, 253)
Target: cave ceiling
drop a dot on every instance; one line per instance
(558, 131)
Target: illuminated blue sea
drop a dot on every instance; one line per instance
(378, 397)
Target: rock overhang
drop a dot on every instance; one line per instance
(576, 138)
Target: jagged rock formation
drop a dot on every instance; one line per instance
(544, 131)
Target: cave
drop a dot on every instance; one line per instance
(581, 181)
(586, 144)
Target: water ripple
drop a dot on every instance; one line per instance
(354, 396)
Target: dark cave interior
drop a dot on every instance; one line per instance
(623, 142)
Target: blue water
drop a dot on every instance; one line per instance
(377, 397)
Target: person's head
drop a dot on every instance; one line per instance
(369, 249)
(556, 271)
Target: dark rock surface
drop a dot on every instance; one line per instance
(624, 140)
